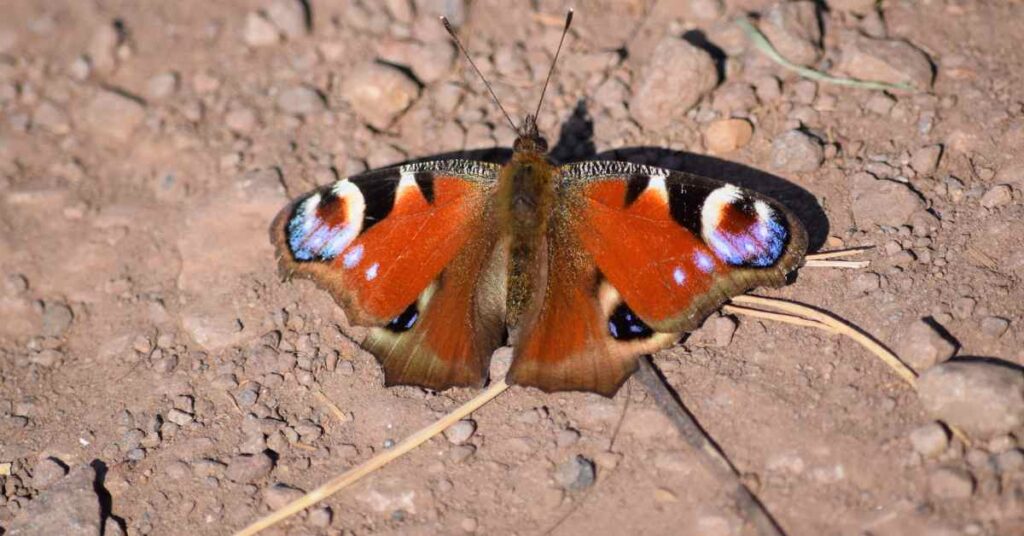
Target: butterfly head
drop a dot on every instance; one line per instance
(528, 138)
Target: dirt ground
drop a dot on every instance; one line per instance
(148, 346)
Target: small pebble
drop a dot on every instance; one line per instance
(793, 29)
(161, 86)
(47, 471)
(982, 399)
(460, 432)
(246, 469)
(575, 474)
(57, 318)
(289, 16)
(567, 437)
(321, 517)
(179, 417)
(379, 94)
(1011, 461)
(300, 100)
(177, 470)
(278, 495)
(994, 326)
(676, 76)
(881, 202)
(727, 135)
(796, 152)
(260, 32)
(880, 104)
(113, 115)
(951, 483)
(892, 61)
(926, 159)
(930, 440)
(922, 347)
(997, 196)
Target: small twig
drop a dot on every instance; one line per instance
(852, 265)
(352, 475)
(338, 414)
(839, 326)
(822, 255)
(762, 44)
(711, 456)
(779, 317)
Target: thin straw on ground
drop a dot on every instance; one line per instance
(352, 475)
(762, 44)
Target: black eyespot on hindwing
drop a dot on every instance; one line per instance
(624, 325)
(405, 321)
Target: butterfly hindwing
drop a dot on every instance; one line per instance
(406, 250)
(646, 255)
(676, 246)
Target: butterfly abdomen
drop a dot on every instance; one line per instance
(526, 197)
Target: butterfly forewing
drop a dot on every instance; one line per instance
(406, 249)
(676, 246)
(640, 255)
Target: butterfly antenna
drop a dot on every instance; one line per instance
(551, 71)
(451, 32)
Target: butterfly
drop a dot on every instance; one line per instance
(581, 267)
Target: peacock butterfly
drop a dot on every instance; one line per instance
(581, 267)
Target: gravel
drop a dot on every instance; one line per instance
(796, 151)
(114, 115)
(997, 196)
(994, 326)
(57, 318)
(161, 86)
(894, 62)
(925, 160)
(279, 495)
(794, 30)
(727, 135)
(930, 440)
(300, 100)
(881, 202)
(47, 472)
(575, 474)
(951, 483)
(378, 93)
(460, 432)
(260, 32)
(677, 75)
(922, 347)
(983, 399)
(69, 507)
(249, 468)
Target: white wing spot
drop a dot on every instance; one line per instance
(656, 183)
(371, 272)
(679, 276)
(353, 256)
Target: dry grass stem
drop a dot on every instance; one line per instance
(839, 326)
(353, 475)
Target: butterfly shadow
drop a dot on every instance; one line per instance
(576, 142)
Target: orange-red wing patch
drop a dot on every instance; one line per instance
(676, 247)
(446, 338)
(562, 345)
(389, 265)
(657, 265)
(376, 241)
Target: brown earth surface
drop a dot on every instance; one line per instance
(144, 331)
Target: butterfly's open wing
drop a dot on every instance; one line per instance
(657, 252)
(407, 250)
